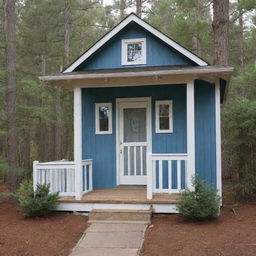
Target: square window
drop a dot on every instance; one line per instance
(134, 51)
(164, 119)
(103, 118)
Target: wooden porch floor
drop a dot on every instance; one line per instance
(122, 196)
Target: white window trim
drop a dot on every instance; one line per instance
(125, 42)
(97, 106)
(157, 119)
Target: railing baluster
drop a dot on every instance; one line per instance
(169, 175)
(134, 160)
(141, 160)
(154, 174)
(178, 174)
(90, 176)
(160, 176)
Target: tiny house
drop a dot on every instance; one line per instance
(146, 120)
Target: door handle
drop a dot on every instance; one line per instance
(121, 151)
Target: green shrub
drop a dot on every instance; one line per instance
(201, 203)
(38, 203)
(246, 188)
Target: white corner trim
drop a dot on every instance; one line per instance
(190, 133)
(97, 123)
(218, 137)
(125, 43)
(157, 117)
(78, 141)
(146, 26)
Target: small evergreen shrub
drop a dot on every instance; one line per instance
(201, 203)
(38, 203)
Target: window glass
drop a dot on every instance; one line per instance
(164, 123)
(134, 52)
(103, 118)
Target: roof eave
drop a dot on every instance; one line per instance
(68, 80)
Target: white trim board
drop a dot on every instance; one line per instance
(133, 18)
(87, 207)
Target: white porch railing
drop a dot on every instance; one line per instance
(61, 176)
(167, 173)
(87, 175)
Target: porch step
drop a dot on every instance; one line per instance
(118, 216)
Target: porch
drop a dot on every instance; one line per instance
(166, 177)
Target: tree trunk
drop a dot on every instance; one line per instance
(66, 32)
(11, 59)
(122, 9)
(241, 40)
(195, 38)
(220, 27)
(138, 7)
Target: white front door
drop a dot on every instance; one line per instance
(134, 140)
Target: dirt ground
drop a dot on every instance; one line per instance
(232, 234)
(54, 235)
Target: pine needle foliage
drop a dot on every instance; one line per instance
(202, 203)
(36, 204)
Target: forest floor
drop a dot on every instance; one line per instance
(232, 234)
(54, 235)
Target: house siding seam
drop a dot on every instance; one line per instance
(158, 52)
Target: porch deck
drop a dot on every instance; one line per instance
(122, 196)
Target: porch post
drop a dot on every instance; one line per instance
(218, 136)
(78, 141)
(190, 133)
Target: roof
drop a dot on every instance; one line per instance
(134, 18)
(138, 76)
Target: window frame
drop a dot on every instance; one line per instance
(97, 120)
(125, 43)
(157, 116)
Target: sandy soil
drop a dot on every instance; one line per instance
(232, 234)
(54, 235)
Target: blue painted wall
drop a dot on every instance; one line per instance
(158, 52)
(102, 148)
(205, 132)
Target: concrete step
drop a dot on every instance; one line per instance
(118, 216)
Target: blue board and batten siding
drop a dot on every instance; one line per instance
(102, 148)
(158, 53)
(205, 132)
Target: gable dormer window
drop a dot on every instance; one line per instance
(134, 51)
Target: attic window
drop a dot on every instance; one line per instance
(134, 51)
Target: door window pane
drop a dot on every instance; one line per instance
(135, 125)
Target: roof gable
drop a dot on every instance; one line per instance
(181, 55)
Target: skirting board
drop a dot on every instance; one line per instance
(87, 207)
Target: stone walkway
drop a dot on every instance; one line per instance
(111, 239)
